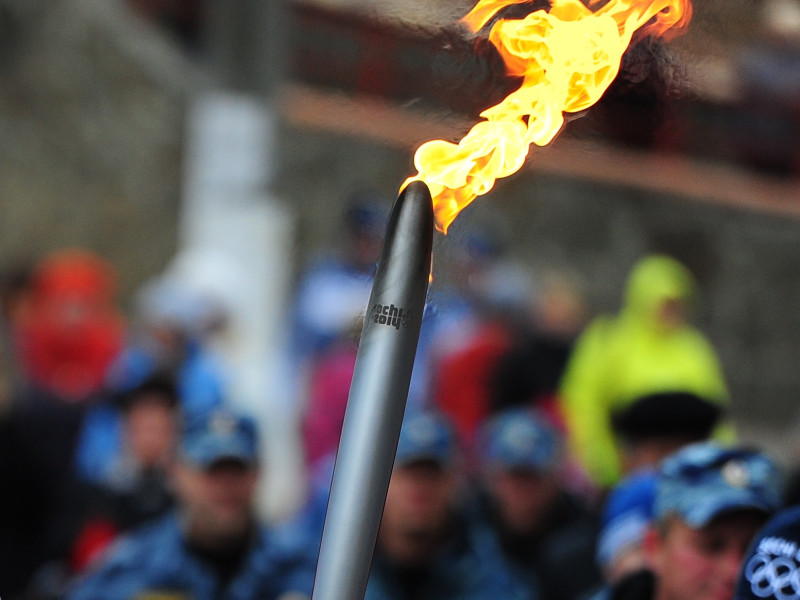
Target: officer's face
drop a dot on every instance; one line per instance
(523, 497)
(701, 564)
(218, 500)
(419, 498)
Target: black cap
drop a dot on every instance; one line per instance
(160, 385)
(669, 413)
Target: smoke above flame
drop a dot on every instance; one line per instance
(567, 57)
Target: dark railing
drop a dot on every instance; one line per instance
(356, 54)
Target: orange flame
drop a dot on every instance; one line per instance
(567, 58)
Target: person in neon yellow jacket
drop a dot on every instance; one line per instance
(648, 350)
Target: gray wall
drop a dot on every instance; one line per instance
(92, 109)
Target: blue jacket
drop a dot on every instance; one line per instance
(470, 568)
(154, 562)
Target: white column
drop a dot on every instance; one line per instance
(236, 240)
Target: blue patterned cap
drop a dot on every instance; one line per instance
(220, 435)
(517, 439)
(701, 481)
(426, 436)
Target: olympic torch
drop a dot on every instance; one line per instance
(377, 399)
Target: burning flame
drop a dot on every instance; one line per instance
(567, 58)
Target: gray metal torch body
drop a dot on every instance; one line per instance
(377, 399)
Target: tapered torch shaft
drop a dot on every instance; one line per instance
(377, 399)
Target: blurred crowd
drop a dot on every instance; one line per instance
(544, 454)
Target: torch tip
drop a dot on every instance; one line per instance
(417, 186)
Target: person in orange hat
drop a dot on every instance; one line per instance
(73, 330)
(66, 338)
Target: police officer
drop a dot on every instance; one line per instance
(212, 547)
(427, 548)
(541, 526)
(709, 503)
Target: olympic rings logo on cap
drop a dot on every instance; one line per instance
(776, 577)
